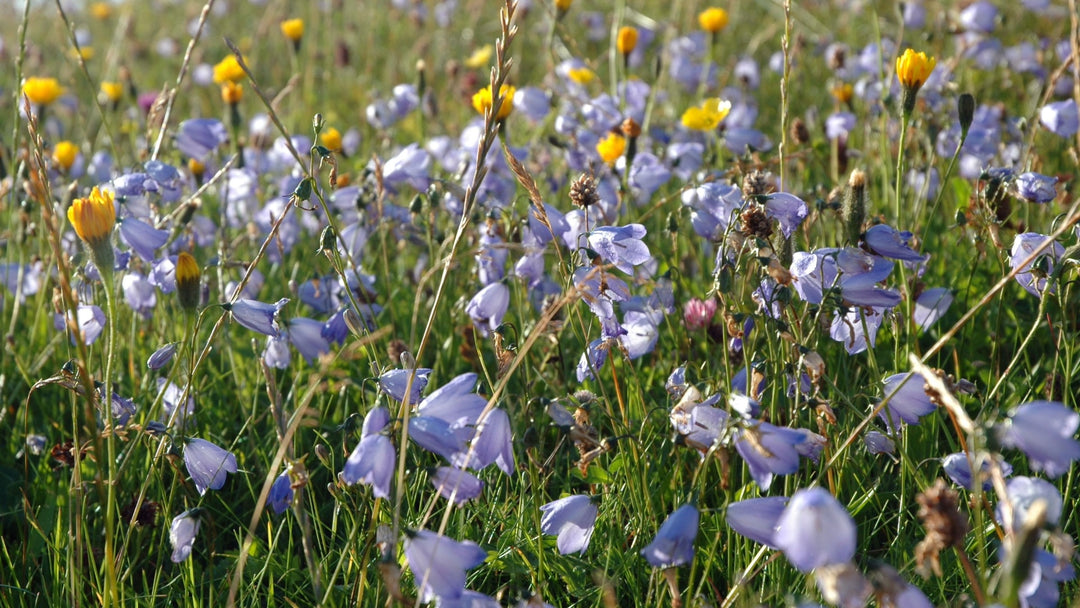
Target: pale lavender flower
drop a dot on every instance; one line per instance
(281, 493)
(1035, 187)
(372, 463)
(182, 533)
(769, 450)
(469, 598)
(162, 356)
(532, 102)
(143, 238)
(90, 321)
(1043, 430)
(815, 530)
(1033, 277)
(593, 358)
(788, 210)
(208, 464)
(257, 316)
(757, 518)
(674, 541)
(456, 484)
(958, 468)
(455, 403)
(572, 519)
(879, 443)
(199, 137)
(1060, 117)
(395, 381)
(139, 294)
(889, 242)
(488, 307)
(620, 245)
(1023, 493)
(277, 354)
(438, 563)
(839, 124)
(435, 435)
(170, 400)
(930, 306)
(979, 17)
(908, 404)
(307, 336)
(493, 443)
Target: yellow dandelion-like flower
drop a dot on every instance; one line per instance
(101, 10)
(228, 70)
(330, 139)
(611, 147)
(196, 168)
(843, 92)
(93, 217)
(581, 75)
(707, 116)
(231, 92)
(482, 101)
(481, 57)
(42, 91)
(713, 19)
(113, 91)
(563, 5)
(626, 41)
(912, 69)
(64, 154)
(293, 29)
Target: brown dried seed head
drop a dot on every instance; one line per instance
(583, 191)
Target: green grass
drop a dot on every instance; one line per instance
(328, 549)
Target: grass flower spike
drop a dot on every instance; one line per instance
(707, 116)
(42, 91)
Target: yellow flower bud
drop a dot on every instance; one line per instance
(293, 29)
(581, 75)
(331, 139)
(187, 281)
(93, 217)
(231, 92)
(64, 154)
(563, 5)
(112, 91)
(42, 91)
(713, 19)
(912, 69)
(228, 70)
(480, 57)
(626, 41)
(101, 10)
(482, 101)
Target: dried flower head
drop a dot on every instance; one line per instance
(939, 510)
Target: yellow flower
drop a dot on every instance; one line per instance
(101, 10)
(843, 92)
(64, 154)
(626, 41)
(563, 5)
(187, 281)
(93, 217)
(231, 92)
(112, 91)
(293, 29)
(707, 116)
(611, 147)
(85, 52)
(228, 70)
(482, 101)
(713, 19)
(581, 75)
(331, 139)
(42, 91)
(197, 169)
(912, 69)
(480, 57)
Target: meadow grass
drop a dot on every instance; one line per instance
(92, 490)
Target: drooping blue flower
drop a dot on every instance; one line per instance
(492, 443)
(277, 354)
(1043, 431)
(674, 541)
(815, 530)
(143, 238)
(1035, 187)
(889, 242)
(757, 518)
(1023, 493)
(532, 102)
(879, 443)
(438, 563)
(395, 381)
(1061, 117)
(958, 468)
(436, 435)
(281, 493)
(182, 533)
(930, 306)
(307, 336)
(162, 356)
(199, 137)
(788, 210)
(769, 450)
(908, 404)
(170, 401)
(90, 323)
(208, 464)
(488, 307)
(372, 463)
(257, 316)
(572, 519)
(456, 484)
(139, 294)
(621, 246)
(1033, 276)
(979, 17)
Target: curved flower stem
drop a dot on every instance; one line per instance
(111, 595)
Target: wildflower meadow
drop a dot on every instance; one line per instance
(531, 303)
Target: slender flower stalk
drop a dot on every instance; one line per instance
(912, 70)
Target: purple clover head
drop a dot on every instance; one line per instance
(438, 563)
(257, 316)
(182, 533)
(371, 463)
(162, 356)
(572, 519)
(1061, 118)
(757, 518)
(1032, 187)
(815, 530)
(908, 404)
(281, 493)
(674, 541)
(889, 242)
(208, 464)
(1043, 430)
(456, 484)
(395, 381)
